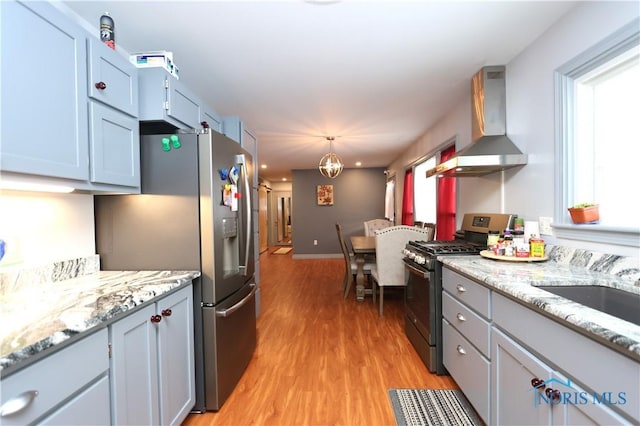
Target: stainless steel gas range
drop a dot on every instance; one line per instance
(423, 295)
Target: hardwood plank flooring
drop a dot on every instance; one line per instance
(321, 359)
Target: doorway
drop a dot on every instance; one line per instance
(281, 218)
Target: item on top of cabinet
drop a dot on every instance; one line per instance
(107, 31)
(585, 213)
(155, 59)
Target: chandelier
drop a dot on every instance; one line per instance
(330, 165)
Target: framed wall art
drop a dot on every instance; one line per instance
(325, 195)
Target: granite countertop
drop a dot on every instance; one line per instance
(47, 308)
(517, 280)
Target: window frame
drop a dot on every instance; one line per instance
(622, 40)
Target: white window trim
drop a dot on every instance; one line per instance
(622, 40)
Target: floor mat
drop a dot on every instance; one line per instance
(283, 250)
(444, 407)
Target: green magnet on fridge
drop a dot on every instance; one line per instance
(175, 140)
(165, 144)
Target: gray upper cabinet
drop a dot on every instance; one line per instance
(112, 79)
(163, 98)
(69, 103)
(44, 107)
(213, 120)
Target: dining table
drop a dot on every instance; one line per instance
(362, 246)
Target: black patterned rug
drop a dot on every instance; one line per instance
(445, 407)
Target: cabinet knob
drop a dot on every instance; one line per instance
(156, 318)
(204, 124)
(18, 403)
(460, 317)
(537, 383)
(460, 288)
(552, 394)
(166, 312)
(101, 85)
(461, 350)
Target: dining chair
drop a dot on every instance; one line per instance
(432, 230)
(351, 267)
(371, 226)
(389, 268)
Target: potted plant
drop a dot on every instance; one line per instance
(585, 213)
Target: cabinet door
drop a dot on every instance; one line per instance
(112, 79)
(514, 401)
(44, 92)
(90, 407)
(213, 120)
(115, 147)
(134, 369)
(176, 357)
(182, 104)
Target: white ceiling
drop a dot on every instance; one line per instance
(375, 74)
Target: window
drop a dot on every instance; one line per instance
(424, 192)
(598, 143)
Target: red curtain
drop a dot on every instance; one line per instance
(407, 199)
(446, 208)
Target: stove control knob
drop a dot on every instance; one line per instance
(420, 260)
(405, 252)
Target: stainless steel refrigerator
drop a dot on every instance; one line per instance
(194, 213)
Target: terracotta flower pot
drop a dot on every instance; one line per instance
(589, 214)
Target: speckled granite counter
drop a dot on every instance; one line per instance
(565, 267)
(45, 307)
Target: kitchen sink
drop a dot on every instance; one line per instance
(619, 303)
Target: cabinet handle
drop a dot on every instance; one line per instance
(18, 403)
(204, 124)
(552, 394)
(101, 85)
(461, 350)
(460, 288)
(166, 312)
(538, 384)
(156, 318)
(460, 317)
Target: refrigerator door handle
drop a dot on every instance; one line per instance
(227, 312)
(240, 159)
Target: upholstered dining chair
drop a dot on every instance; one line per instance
(351, 268)
(389, 268)
(371, 226)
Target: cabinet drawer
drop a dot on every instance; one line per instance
(470, 293)
(468, 323)
(119, 76)
(56, 377)
(468, 367)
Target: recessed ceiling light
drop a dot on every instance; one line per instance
(358, 164)
(284, 179)
(264, 166)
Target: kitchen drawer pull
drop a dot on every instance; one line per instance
(156, 318)
(101, 85)
(17, 404)
(461, 350)
(460, 317)
(460, 288)
(166, 312)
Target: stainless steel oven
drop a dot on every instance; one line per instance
(423, 294)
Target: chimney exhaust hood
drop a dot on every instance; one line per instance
(491, 150)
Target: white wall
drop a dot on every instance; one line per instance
(528, 191)
(47, 227)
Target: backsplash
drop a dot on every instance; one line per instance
(623, 267)
(18, 279)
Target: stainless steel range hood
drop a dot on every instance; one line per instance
(491, 150)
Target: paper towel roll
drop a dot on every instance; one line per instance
(531, 227)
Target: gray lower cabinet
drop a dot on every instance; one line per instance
(594, 384)
(152, 364)
(69, 387)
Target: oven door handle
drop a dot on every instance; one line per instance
(416, 271)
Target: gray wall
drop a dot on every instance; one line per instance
(358, 196)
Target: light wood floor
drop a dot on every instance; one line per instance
(321, 359)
